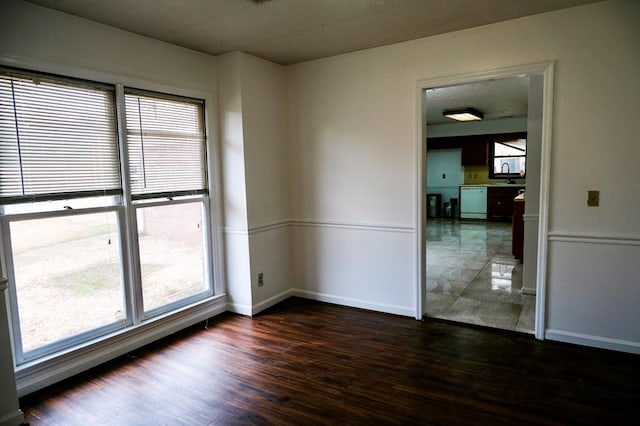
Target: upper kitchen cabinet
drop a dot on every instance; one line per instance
(474, 153)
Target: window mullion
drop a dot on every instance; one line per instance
(132, 282)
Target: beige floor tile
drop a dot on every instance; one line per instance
(472, 276)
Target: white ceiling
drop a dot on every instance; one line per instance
(500, 98)
(292, 31)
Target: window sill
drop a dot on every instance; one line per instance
(48, 370)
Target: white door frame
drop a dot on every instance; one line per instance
(544, 69)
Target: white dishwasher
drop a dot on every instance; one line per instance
(473, 202)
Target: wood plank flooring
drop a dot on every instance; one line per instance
(305, 363)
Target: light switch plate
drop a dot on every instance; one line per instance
(593, 198)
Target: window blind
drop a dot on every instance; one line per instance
(58, 138)
(166, 145)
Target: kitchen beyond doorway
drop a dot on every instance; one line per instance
(538, 128)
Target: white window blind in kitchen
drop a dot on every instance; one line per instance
(58, 138)
(166, 145)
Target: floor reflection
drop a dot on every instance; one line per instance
(472, 276)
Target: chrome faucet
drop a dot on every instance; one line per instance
(508, 172)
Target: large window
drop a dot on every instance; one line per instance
(98, 234)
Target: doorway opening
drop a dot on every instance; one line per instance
(483, 193)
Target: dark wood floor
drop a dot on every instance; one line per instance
(305, 362)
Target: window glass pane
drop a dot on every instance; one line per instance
(171, 253)
(514, 166)
(57, 138)
(512, 148)
(166, 145)
(509, 158)
(67, 275)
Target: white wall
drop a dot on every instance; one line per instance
(447, 163)
(252, 100)
(234, 186)
(353, 136)
(484, 127)
(34, 34)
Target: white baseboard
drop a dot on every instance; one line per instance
(356, 303)
(32, 377)
(237, 308)
(13, 418)
(529, 290)
(593, 341)
(259, 307)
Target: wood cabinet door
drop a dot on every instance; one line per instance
(500, 202)
(474, 153)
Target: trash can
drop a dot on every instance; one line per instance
(434, 203)
(454, 207)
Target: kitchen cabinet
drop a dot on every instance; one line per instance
(500, 202)
(474, 153)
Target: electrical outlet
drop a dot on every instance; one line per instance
(593, 198)
(260, 279)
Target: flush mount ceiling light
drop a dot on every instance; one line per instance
(467, 114)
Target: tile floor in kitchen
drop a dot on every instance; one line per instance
(472, 276)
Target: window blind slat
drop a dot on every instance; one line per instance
(166, 141)
(57, 138)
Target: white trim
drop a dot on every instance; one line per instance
(320, 224)
(593, 341)
(257, 229)
(269, 227)
(420, 216)
(33, 376)
(239, 309)
(406, 311)
(235, 231)
(546, 69)
(531, 217)
(14, 418)
(16, 217)
(273, 300)
(353, 226)
(581, 238)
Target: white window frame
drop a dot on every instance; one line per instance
(142, 315)
(7, 265)
(141, 329)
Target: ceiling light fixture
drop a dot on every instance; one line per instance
(467, 114)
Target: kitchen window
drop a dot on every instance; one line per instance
(99, 233)
(507, 159)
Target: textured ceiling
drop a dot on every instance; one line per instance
(292, 31)
(501, 98)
